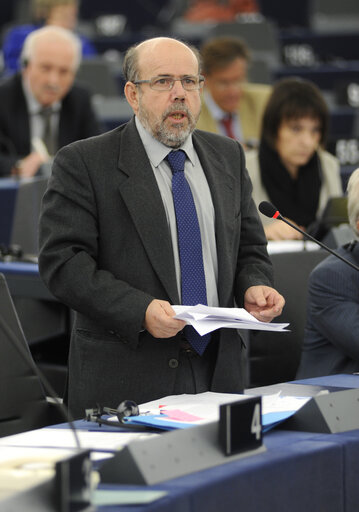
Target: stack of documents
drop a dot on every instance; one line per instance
(184, 411)
(206, 319)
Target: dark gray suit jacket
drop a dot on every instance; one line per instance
(105, 250)
(331, 340)
(77, 121)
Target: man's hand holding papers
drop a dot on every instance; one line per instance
(206, 319)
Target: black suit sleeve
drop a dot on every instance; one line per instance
(71, 259)
(14, 124)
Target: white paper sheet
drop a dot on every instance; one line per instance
(206, 405)
(206, 319)
(104, 441)
(275, 247)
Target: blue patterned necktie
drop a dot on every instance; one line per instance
(193, 283)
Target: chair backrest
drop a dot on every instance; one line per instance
(261, 37)
(27, 213)
(286, 14)
(334, 15)
(23, 404)
(274, 357)
(98, 77)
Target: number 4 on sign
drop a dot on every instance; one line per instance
(256, 426)
(240, 425)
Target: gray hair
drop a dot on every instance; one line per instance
(130, 62)
(34, 37)
(353, 199)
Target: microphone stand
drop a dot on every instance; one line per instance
(310, 237)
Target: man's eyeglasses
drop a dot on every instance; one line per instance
(166, 83)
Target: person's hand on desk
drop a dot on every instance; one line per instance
(159, 320)
(263, 302)
(279, 230)
(28, 166)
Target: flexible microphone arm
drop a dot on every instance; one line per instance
(271, 211)
(91, 414)
(48, 388)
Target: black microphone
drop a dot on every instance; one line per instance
(16, 343)
(271, 211)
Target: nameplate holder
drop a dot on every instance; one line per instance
(327, 413)
(169, 455)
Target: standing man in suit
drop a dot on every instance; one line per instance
(40, 109)
(109, 246)
(331, 343)
(231, 105)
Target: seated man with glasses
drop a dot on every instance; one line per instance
(152, 214)
(42, 108)
(231, 106)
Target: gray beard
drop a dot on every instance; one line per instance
(173, 137)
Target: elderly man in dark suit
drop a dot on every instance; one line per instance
(40, 109)
(331, 343)
(109, 246)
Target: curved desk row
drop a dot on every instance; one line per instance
(298, 472)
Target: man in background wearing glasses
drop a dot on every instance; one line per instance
(110, 250)
(231, 105)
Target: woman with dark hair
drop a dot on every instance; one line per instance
(291, 169)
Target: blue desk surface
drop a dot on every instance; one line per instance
(299, 472)
(341, 381)
(19, 268)
(24, 280)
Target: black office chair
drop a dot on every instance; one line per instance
(274, 357)
(260, 36)
(23, 404)
(327, 15)
(96, 74)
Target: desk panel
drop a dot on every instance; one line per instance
(349, 441)
(297, 473)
